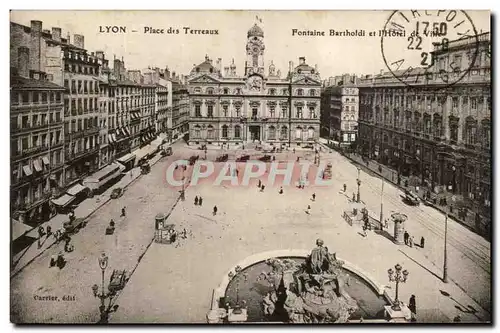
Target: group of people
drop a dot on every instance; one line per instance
(198, 201)
(410, 240)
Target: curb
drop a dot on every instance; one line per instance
(85, 218)
(443, 211)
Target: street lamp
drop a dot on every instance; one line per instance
(103, 264)
(382, 202)
(397, 276)
(359, 184)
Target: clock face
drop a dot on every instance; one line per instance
(255, 50)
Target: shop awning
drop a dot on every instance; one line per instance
(110, 138)
(76, 189)
(45, 160)
(19, 229)
(143, 152)
(126, 131)
(37, 165)
(27, 170)
(126, 158)
(157, 142)
(63, 201)
(120, 166)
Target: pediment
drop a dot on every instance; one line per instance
(204, 79)
(306, 81)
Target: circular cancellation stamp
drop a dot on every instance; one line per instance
(416, 44)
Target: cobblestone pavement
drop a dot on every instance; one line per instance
(174, 283)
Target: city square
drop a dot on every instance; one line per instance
(174, 283)
(254, 188)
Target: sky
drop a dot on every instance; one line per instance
(334, 55)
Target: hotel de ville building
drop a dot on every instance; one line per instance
(260, 106)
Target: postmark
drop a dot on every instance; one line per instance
(416, 46)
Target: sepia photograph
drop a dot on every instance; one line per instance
(250, 167)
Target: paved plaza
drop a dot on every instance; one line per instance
(174, 283)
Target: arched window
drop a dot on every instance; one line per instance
(300, 92)
(312, 92)
(284, 132)
(226, 91)
(298, 133)
(310, 133)
(210, 132)
(272, 133)
(272, 91)
(224, 131)
(237, 131)
(210, 91)
(197, 132)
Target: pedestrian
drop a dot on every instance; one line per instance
(281, 190)
(406, 236)
(386, 224)
(215, 210)
(112, 223)
(345, 187)
(298, 158)
(274, 158)
(262, 188)
(364, 231)
(123, 212)
(41, 232)
(294, 150)
(260, 184)
(200, 201)
(237, 172)
(314, 197)
(412, 305)
(353, 196)
(410, 241)
(196, 200)
(308, 209)
(422, 242)
(49, 230)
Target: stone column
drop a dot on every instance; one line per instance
(447, 108)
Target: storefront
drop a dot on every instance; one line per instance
(63, 202)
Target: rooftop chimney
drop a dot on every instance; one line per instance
(23, 60)
(79, 41)
(302, 61)
(56, 34)
(68, 38)
(36, 26)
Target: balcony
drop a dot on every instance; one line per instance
(34, 150)
(82, 133)
(72, 156)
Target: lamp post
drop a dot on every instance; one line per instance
(359, 184)
(382, 202)
(398, 276)
(183, 197)
(445, 256)
(103, 264)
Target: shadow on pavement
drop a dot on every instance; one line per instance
(428, 270)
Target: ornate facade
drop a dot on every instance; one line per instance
(443, 136)
(226, 108)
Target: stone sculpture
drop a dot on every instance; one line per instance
(309, 293)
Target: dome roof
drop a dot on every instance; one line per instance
(204, 67)
(255, 31)
(304, 68)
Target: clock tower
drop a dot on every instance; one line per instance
(255, 51)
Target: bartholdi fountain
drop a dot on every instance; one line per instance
(311, 288)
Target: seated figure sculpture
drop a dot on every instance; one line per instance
(315, 293)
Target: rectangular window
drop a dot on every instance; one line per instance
(197, 110)
(73, 86)
(455, 102)
(36, 97)
(210, 110)
(299, 112)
